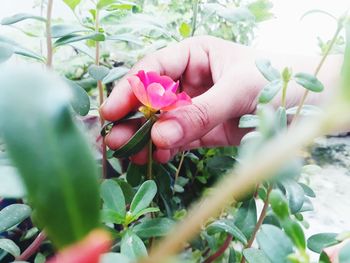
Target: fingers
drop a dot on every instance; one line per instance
(189, 123)
(171, 61)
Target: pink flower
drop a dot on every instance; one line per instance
(87, 250)
(157, 92)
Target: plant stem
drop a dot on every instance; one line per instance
(100, 94)
(241, 180)
(179, 168)
(220, 251)
(150, 160)
(194, 17)
(260, 221)
(317, 70)
(48, 34)
(33, 247)
(284, 93)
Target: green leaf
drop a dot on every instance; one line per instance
(309, 82)
(135, 173)
(306, 110)
(20, 17)
(143, 197)
(132, 246)
(13, 215)
(253, 255)
(246, 217)
(226, 225)
(111, 216)
(344, 254)
(270, 91)
(233, 15)
(261, 9)
(295, 195)
(75, 38)
(98, 72)
(53, 147)
(307, 190)
(266, 69)
(295, 232)
(72, 3)
(19, 50)
(113, 196)
(185, 30)
(6, 52)
(156, 227)
(129, 38)
(271, 237)
(137, 142)
(281, 119)
(318, 242)
(249, 121)
(80, 100)
(115, 74)
(279, 204)
(112, 257)
(10, 247)
(11, 184)
(104, 3)
(64, 30)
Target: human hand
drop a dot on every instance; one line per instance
(223, 81)
(212, 72)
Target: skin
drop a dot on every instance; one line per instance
(224, 83)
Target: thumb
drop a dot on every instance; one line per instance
(188, 123)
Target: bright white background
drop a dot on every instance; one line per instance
(285, 33)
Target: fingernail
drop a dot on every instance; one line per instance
(169, 132)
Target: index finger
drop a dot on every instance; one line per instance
(171, 61)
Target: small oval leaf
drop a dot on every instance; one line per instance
(12, 215)
(318, 242)
(309, 82)
(64, 30)
(6, 51)
(10, 247)
(19, 17)
(266, 69)
(143, 197)
(132, 246)
(113, 196)
(254, 255)
(115, 74)
(270, 90)
(80, 100)
(226, 225)
(249, 121)
(137, 142)
(156, 227)
(98, 72)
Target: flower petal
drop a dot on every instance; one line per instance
(143, 77)
(182, 100)
(159, 97)
(139, 89)
(87, 250)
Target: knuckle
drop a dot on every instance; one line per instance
(198, 115)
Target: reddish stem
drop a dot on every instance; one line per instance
(220, 251)
(33, 247)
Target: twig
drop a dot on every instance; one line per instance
(100, 94)
(179, 168)
(317, 70)
(48, 34)
(220, 251)
(33, 247)
(232, 187)
(194, 17)
(260, 221)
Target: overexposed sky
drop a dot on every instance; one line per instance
(285, 33)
